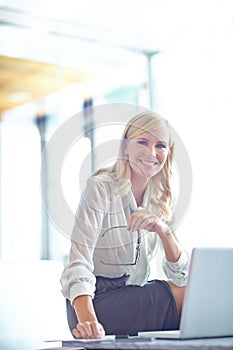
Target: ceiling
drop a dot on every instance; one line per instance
(22, 81)
(74, 39)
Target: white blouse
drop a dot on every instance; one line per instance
(99, 247)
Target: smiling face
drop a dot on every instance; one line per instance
(147, 152)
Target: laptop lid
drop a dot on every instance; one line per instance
(208, 302)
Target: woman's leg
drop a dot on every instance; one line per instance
(178, 293)
(130, 309)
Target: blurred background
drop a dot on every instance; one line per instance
(59, 57)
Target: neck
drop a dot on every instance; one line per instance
(139, 185)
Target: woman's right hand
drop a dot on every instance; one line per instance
(89, 329)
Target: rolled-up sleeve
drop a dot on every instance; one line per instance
(177, 272)
(74, 284)
(78, 278)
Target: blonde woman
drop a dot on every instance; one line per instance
(122, 223)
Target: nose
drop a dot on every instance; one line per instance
(154, 151)
(151, 150)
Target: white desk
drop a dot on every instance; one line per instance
(157, 344)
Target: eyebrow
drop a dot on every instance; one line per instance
(142, 138)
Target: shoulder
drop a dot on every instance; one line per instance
(97, 193)
(102, 183)
(104, 179)
(104, 176)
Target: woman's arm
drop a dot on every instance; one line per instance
(143, 219)
(171, 247)
(78, 279)
(88, 325)
(176, 261)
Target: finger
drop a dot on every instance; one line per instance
(147, 223)
(80, 333)
(140, 221)
(76, 333)
(97, 330)
(137, 223)
(82, 330)
(87, 329)
(133, 218)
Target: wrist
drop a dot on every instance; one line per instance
(84, 308)
(164, 231)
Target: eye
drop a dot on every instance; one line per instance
(140, 142)
(160, 145)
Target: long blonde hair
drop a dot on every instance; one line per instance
(161, 195)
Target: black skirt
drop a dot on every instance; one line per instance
(128, 309)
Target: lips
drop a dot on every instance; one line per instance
(148, 163)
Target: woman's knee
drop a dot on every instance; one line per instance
(178, 293)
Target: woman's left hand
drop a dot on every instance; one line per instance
(143, 219)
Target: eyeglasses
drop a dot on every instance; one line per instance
(138, 247)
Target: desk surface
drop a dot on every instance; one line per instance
(157, 344)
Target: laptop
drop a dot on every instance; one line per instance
(208, 302)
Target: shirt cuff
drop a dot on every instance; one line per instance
(177, 272)
(79, 289)
(179, 264)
